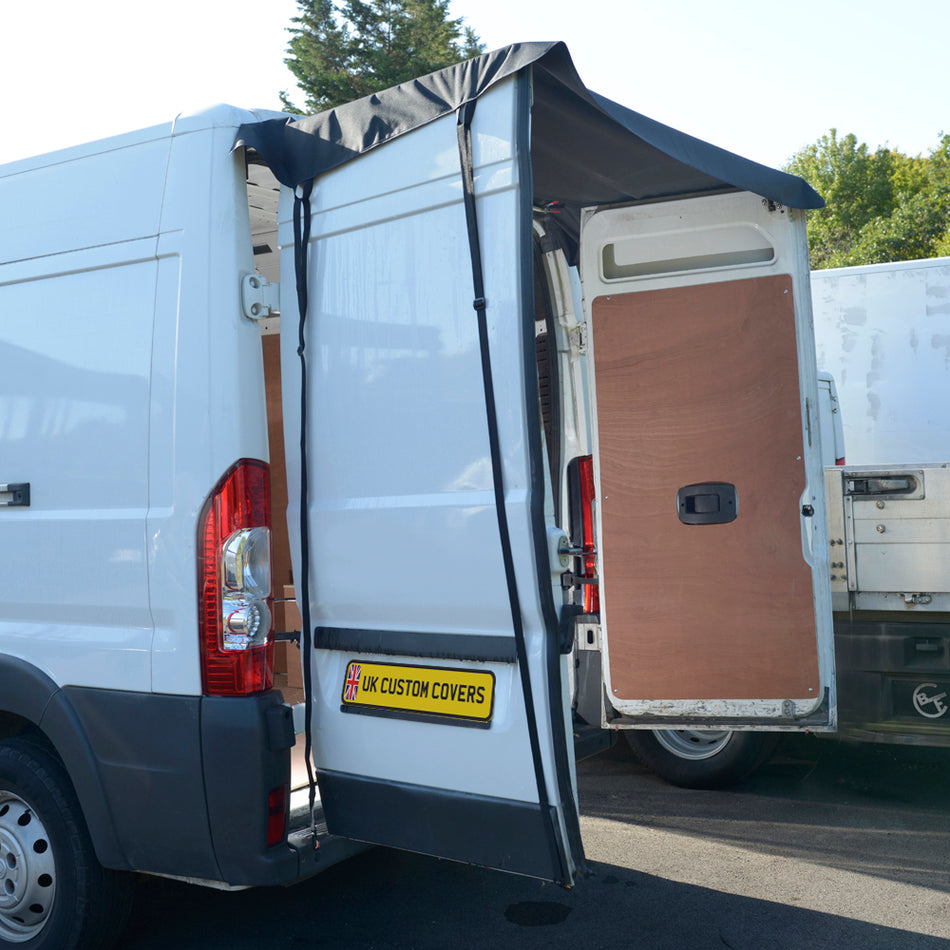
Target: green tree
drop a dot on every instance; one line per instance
(879, 206)
(340, 51)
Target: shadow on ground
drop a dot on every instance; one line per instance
(874, 810)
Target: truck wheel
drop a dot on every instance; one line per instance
(53, 891)
(699, 758)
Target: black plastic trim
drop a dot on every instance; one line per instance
(436, 646)
(148, 752)
(168, 784)
(489, 832)
(409, 716)
(32, 696)
(19, 493)
(245, 745)
(26, 691)
(590, 690)
(592, 740)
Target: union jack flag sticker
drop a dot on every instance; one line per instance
(352, 686)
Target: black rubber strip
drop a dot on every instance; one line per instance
(301, 244)
(465, 114)
(412, 643)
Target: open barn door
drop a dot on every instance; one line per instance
(439, 712)
(715, 605)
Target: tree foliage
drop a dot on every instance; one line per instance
(342, 50)
(879, 206)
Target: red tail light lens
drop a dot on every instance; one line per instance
(234, 584)
(276, 815)
(581, 495)
(588, 559)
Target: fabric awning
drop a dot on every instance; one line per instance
(586, 149)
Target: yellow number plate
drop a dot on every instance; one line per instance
(424, 690)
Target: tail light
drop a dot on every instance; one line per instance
(276, 815)
(582, 494)
(840, 461)
(234, 584)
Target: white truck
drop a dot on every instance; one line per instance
(461, 465)
(882, 334)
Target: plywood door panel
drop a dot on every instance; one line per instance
(700, 384)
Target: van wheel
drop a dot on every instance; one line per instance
(700, 758)
(53, 891)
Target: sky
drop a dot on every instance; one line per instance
(757, 77)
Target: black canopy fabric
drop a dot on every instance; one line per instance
(585, 149)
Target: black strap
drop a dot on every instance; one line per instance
(301, 245)
(480, 304)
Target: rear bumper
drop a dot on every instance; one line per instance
(186, 781)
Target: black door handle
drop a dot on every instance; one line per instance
(15, 495)
(707, 503)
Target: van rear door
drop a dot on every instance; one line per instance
(715, 601)
(439, 711)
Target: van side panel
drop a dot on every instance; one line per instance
(92, 196)
(208, 404)
(131, 382)
(75, 346)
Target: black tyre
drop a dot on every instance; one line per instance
(54, 894)
(698, 758)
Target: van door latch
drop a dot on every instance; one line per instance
(259, 297)
(707, 503)
(15, 495)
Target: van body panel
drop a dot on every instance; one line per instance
(208, 407)
(89, 197)
(75, 558)
(135, 327)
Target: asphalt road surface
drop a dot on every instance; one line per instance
(828, 846)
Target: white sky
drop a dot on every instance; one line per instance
(758, 77)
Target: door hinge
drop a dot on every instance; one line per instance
(578, 336)
(260, 298)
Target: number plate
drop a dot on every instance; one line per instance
(419, 691)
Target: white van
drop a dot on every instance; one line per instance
(545, 372)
